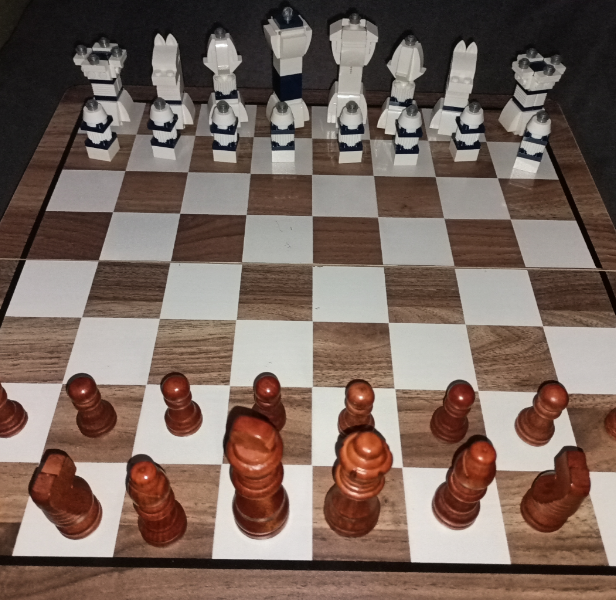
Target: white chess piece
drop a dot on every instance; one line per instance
(224, 131)
(408, 132)
(101, 142)
(465, 144)
(406, 66)
(459, 88)
(534, 143)
(350, 133)
(169, 81)
(353, 41)
(163, 125)
(282, 131)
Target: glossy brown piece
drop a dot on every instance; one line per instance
(610, 423)
(183, 416)
(456, 502)
(254, 450)
(556, 495)
(268, 401)
(357, 411)
(352, 506)
(450, 422)
(95, 416)
(162, 519)
(535, 424)
(13, 417)
(66, 500)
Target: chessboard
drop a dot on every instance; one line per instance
(407, 277)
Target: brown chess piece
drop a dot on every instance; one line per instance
(610, 423)
(352, 505)
(183, 416)
(66, 500)
(254, 450)
(13, 417)
(268, 399)
(162, 519)
(456, 502)
(535, 424)
(449, 422)
(95, 417)
(357, 411)
(556, 495)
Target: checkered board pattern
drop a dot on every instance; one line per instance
(409, 277)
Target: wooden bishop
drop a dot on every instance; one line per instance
(268, 399)
(13, 417)
(254, 450)
(357, 411)
(352, 506)
(183, 416)
(95, 416)
(450, 422)
(610, 423)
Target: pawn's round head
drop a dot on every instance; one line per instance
(81, 385)
(104, 42)
(267, 386)
(410, 40)
(524, 63)
(531, 53)
(81, 50)
(474, 107)
(352, 107)
(282, 108)
(175, 386)
(93, 59)
(220, 33)
(554, 395)
(143, 472)
(222, 107)
(549, 70)
(92, 105)
(160, 104)
(412, 110)
(542, 116)
(354, 19)
(116, 52)
(483, 452)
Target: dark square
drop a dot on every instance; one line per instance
(412, 197)
(14, 480)
(444, 165)
(210, 238)
(280, 195)
(536, 199)
(78, 155)
(151, 192)
(202, 160)
(346, 240)
(325, 155)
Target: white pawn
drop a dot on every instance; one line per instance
(224, 131)
(102, 143)
(163, 125)
(282, 131)
(465, 144)
(350, 132)
(533, 143)
(408, 132)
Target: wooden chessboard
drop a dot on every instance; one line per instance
(409, 277)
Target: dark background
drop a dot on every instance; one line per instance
(36, 64)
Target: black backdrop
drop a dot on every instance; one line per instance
(36, 63)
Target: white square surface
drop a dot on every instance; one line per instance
(142, 159)
(430, 356)
(278, 239)
(500, 410)
(216, 194)
(322, 130)
(484, 542)
(383, 160)
(114, 351)
(602, 494)
(201, 448)
(245, 130)
(343, 196)
(584, 358)
(503, 157)
(552, 244)
(294, 542)
(349, 295)
(281, 347)
(497, 297)
(472, 198)
(140, 236)
(39, 401)
(39, 537)
(52, 288)
(262, 158)
(415, 241)
(202, 291)
(86, 191)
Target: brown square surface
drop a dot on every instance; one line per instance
(71, 236)
(276, 293)
(484, 243)
(423, 295)
(78, 155)
(510, 359)
(388, 541)
(213, 238)
(444, 165)
(412, 197)
(36, 350)
(127, 290)
(202, 160)
(325, 155)
(201, 350)
(7, 270)
(188, 129)
(346, 240)
(280, 195)
(14, 480)
(536, 199)
(346, 351)
(151, 192)
(262, 125)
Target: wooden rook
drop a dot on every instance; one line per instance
(162, 519)
(183, 416)
(456, 502)
(254, 450)
(65, 498)
(535, 424)
(352, 506)
(556, 495)
(268, 399)
(610, 423)
(449, 422)
(357, 411)
(95, 416)
(13, 417)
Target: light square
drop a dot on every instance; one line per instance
(142, 159)
(246, 129)
(383, 160)
(86, 191)
(278, 239)
(343, 196)
(503, 158)
(472, 198)
(262, 158)
(216, 194)
(602, 493)
(322, 130)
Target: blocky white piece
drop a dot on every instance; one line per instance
(533, 143)
(408, 131)
(289, 36)
(353, 41)
(163, 125)
(350, 133)
(406, 65)
(101, 142)
(282, 131)
(465, 144)
(459, 88)
(222, 59)
(224, 131)
(534, 76)
(169, 81)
